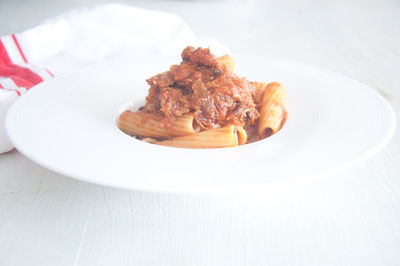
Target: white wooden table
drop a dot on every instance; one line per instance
(349, 219)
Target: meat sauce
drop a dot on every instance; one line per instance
(201, 84)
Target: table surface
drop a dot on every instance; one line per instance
(352, 218)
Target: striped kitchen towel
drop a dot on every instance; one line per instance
(17, 76)
(82, 37)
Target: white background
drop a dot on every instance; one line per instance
(349, 219)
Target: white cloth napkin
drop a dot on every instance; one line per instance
(83, 37)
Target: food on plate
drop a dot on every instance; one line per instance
(201, 103)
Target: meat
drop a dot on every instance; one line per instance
(201, 84)
(173, 103)
(200, 56)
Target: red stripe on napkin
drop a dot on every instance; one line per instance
(4, 58)
(22, 82)
(14, 90)
(19, 47)
(48, 71)
(22, 76)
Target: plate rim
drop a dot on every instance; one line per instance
(377, 147)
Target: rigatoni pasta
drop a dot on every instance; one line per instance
(148, 125)
(228, 136)
(201, 103)
(259, 91)
(227, 62)
(272, 110)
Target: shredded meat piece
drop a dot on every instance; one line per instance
(201, 56)
(206, 113)
(202, 85)
(161, 80)
(173, 102)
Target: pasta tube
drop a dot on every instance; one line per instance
(260, 88)
(273, 109)
(242, 135)
(228, 62)
(229, 136)
(148, 125)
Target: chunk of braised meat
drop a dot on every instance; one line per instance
(186, 74)
(200, 84)
(156, 82)
(201, 56)
(173, 103)
(234, 99)
(225, 100)
(244, 94)
(206, 114)
(212, 102)
(161, 80)
(182, 72)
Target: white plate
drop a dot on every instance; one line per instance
(67, 124)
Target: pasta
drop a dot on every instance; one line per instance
(148, 125)
(229, 136)
(228, 62)
(260, 88)
(201, 103)
(273, 110)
